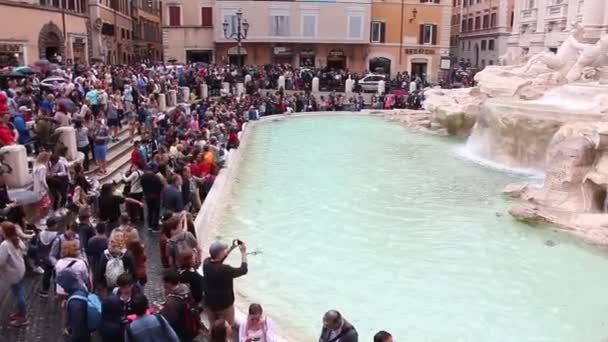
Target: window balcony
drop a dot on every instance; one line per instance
(557, 11)
(529, 15)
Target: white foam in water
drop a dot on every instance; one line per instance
(563, 103)
(465, 153)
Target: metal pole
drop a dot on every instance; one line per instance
(238, 40)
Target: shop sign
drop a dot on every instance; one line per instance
(419, 51)
(307, 53)
(336, 54)
(11, 48)
(281, 51)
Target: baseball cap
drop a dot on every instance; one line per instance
(216, 248)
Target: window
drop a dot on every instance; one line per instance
(462, 46)
(428, 34)
(469, 46)
(232, 24)
(355, 26)
(207, 16)
(175, 16)
(486, 21)
(72, 5)
(464, 26)
(530, 4)
(477, 23)
(309, 25)
(483, 63)
(490, 62)
(491, 44)
(484, 44)
(470, 25)
(122, 33)
(553, 49)
(377, 32)
(279, 25)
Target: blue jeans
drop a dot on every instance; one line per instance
(19, 293)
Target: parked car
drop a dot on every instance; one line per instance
(370, 82)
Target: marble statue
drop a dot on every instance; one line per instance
(591, 56)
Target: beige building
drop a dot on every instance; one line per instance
(34, 29)
(302, 33)
(112, 31)
(147, 42)
(188, 30)
(485, 28)
(541, 25)
(410, 35)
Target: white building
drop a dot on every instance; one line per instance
(540, 25)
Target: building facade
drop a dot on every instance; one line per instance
(188, 30)
(147, 36)
(412, 36)
(43, 29)
(301, 33)
(112, 31)
(543, 25)
(455, 28)
(485, 28)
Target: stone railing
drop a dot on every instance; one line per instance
(556, 11)
(529, 15)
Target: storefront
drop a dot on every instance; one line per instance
(336, 59)
(307, 58)
(419, 60)
(79, 50)
(282, 55)
(237, 56)
(11, 54)
(199, 55)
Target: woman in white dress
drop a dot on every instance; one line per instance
(257, 328)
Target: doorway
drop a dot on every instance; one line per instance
(236, 59)
(418, 68)
(194, 56)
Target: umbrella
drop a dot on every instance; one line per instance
(24, 70)
(69, 105)
(12, 74)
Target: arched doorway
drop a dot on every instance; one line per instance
(477, 55)
(380, 65)
(51, 42)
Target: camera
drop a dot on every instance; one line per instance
(237, 242)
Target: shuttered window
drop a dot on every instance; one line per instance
(207, 16)
(428, 34)
(377, 32)
(175, 15)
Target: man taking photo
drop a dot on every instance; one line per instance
(219, 280)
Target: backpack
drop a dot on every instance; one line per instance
(179, 247)
(114, 268)
(192, 320)
(93, 309)
(161, 322)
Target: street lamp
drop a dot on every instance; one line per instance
(239, 33)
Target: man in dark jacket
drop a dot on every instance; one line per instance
(171, 197)
(219, 280)
(337, 329)
(178, 304)
(152, 187)
(76, 309)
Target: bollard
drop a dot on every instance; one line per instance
(247, 78)
(185, 94)
(348, 86)
(67, 136)
(381, 87)
(281, 82)
(162, 102)
(226, 87)
(172, 100)
(204, 91)
(315, 84)
(240, 89)
(15, 156)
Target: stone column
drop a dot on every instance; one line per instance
(281, 82)
(172, 100)
(204, 91)
(315, 84)
(16, 157)
(185, 92)
(240, 89)
(162, 102)
(67, 136)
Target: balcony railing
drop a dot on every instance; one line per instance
(529, 14)
(557, 11)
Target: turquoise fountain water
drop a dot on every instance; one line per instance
(399, 233)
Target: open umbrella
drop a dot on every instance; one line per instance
(69, 105)
(24, 70)
(12, 74)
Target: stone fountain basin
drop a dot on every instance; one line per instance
(517, 133)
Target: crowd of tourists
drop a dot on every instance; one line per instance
(85, 239)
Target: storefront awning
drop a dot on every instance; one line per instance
(234, 51)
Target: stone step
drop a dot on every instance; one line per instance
(116, 150)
